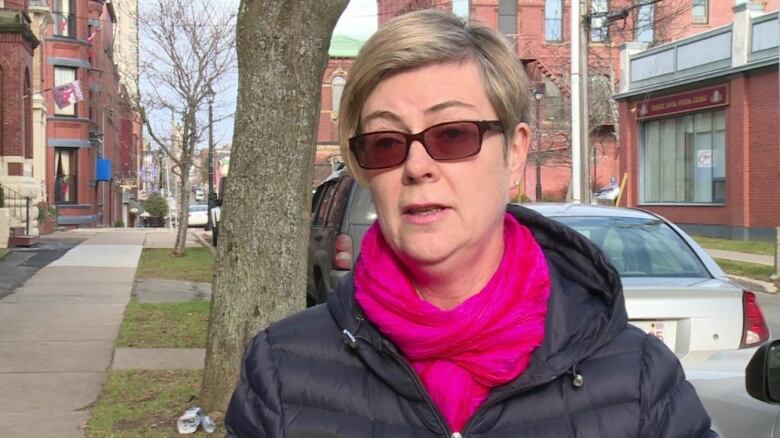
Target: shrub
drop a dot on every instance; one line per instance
(2, 198)
(119, 223)
(156, 205)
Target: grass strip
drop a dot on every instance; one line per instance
(164, 325)
(3, 252)
(146, 403)
(748, 246)
(743, 269)
(197, 264)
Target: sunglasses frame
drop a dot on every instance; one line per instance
(483, 126)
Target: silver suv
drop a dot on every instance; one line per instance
(342, 211)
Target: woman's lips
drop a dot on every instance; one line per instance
(421, 214)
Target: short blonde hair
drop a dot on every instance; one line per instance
(429, 37)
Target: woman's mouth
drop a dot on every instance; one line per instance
(422, 214)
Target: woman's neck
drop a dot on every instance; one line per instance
(448, 284)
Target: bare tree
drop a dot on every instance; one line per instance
(261, 275)
(188, 49)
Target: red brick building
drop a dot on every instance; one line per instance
(92, 145)
(342, 51)
(699, 124)
(17, 45)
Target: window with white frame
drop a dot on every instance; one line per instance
(64, 14)
(645, 23)
(684, 159)
(65, 175)
(62, 76)
(598, 21)
(336, 88)
(553, 20)
(461, 8)
(699, 12)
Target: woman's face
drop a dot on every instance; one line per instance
(441, 214)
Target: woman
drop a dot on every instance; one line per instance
(460, 319)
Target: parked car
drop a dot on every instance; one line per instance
(197, 215)
(674, 290)
(342, 211)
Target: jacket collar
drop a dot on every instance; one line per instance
(586, 310)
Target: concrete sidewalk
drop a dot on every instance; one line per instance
(57, 332)
(741, 257)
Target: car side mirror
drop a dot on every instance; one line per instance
(762, 375)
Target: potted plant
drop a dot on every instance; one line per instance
(157, 208)
(47, 218)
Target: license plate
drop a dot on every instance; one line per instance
(666, 331)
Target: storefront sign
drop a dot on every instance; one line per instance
(702, 98)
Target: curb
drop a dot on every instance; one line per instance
(766, 286)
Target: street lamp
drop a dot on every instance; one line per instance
(210, 95)
(538, 94)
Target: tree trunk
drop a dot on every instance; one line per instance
(182, 215)
(261, 258)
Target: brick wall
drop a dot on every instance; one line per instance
(16, 63)
(764, 113)
(752, 157)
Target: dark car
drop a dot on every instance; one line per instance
(342, 211)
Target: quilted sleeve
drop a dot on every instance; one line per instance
(670, 406)
(255, 408)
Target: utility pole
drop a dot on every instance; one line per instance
(576, 104)
(538, 95)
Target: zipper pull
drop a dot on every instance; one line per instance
(456, 435)
(350, 339)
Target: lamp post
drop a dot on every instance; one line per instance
(210, 94)
(538, 94)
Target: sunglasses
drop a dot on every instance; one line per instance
(443, 142)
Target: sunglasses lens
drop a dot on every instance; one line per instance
(380, 150)
(453, 141)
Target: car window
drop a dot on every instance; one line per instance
(362, 210)
(339, 201)
(640, 247)
(196, 208)
(323, 203)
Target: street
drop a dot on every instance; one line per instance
(770, 304)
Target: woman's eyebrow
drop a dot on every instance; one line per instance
(448, 104)
(381, 114)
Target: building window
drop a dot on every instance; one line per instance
(598, 22)
(554, 109)
(699, 12)
(62, 76)
(553, 20)
(684, 159)
(336, 88)
(64, 13)
(461, 8)
(645, 18)
(65, 175)
(507, 17)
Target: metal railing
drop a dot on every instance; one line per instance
(19, 206)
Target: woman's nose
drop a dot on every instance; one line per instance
(419, 165)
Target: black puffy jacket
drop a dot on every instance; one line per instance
(328, 372)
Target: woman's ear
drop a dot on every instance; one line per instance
(516, 157)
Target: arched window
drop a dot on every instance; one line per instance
(336, 87)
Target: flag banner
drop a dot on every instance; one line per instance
(68, 94)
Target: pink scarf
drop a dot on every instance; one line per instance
(460, 354)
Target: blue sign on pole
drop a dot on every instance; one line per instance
(103, 169)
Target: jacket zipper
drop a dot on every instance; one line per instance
(410, 371)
